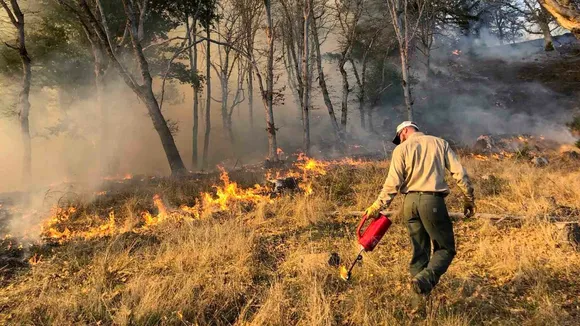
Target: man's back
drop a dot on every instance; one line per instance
(419, 164)
(424, 162)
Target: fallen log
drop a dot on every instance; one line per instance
(568, 231)
(451, 214)
(458, 215)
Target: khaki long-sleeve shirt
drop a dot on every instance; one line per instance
(419, 164)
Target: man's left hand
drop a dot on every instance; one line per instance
(469, 207)
(373, 210)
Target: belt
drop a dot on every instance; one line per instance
(430, 193)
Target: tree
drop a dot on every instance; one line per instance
(195, 84)
(538, 15)
(505, 21)
(296, 46)
(405, 19)
(566, 12)
(361, 81)
(16, 17)
(306, 77)
(317, 29)
(250, 12)
(228, 59)
(426, 31)
(268, 93)
(348, 14)
(204, 160)
(94, 19)
(191, 14)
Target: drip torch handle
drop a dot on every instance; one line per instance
(360, 225)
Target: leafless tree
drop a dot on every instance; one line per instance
(426, 31)
(306, 76)
(204, 160)
(361, 77)
(317, 30)
(296, 47)
(405, 19)
(192, 51)
(267, 88)
(228, 31)
(16, 17)
(251, 13)
(538, 15)
(348, 14)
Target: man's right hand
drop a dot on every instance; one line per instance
(373, 210)
(468, 207)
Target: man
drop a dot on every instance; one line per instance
(418, 170)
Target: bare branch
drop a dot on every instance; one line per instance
(9, 13)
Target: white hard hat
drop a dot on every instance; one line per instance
(400, 127)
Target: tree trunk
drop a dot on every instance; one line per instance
(567, 15)
(227, 119)
(361, 91)
(306, 80)
(322, 80)
(144, 91)
(17, 19)
(24, 109)
(345, 91)
(205, 163)
(369, 112)
(405, 83)
(159, 122)
(251, 95)
(191, 39)
(269, 95)
(99, 70)
(545, 27)
(223, 73)
(429, 73)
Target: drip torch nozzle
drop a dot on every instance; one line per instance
(346, 273)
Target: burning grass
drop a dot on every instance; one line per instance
(232, 254)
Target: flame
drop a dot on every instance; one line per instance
(128, 176)
(480, 157)
(344, 273)
(279, 151)
(568, 148)
(231, 192)
(456, 52)
(227, 195)
(50, 229)
(35, 259)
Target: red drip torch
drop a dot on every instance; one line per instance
(368, 239)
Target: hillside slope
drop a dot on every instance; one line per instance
(264, 261)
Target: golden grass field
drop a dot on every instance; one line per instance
(266, 263)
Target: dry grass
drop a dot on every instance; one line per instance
(267, 265)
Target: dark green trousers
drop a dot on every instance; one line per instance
(429, 226)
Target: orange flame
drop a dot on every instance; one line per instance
(230, 192)
(50, 229)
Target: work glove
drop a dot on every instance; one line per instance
(468, 207)
(373, 210)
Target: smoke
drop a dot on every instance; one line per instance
(470, 95)
(499, 89)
